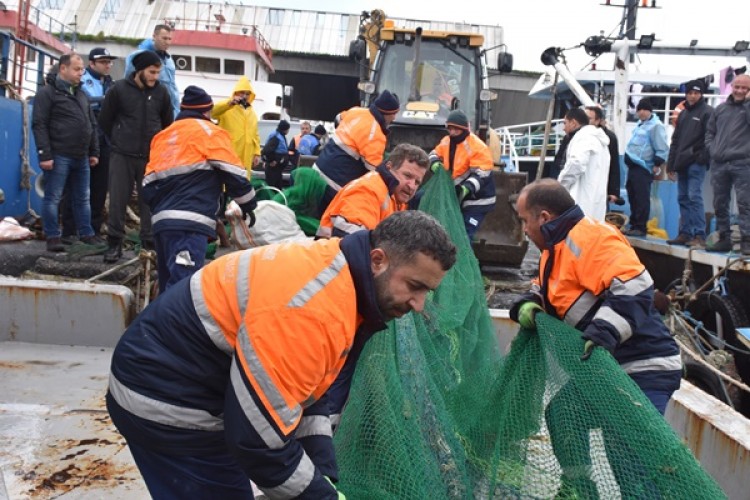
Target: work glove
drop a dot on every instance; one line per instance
(588, 348)
(251, 215)
(461, 193)
(436, 165)
(526, 314)
(341, 495)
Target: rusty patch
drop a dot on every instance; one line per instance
(89, 464)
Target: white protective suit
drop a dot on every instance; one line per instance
(586, 171)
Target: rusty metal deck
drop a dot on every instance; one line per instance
(56, 438)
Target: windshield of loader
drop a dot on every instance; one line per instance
(442, 74)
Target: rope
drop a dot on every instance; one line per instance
(713, 369)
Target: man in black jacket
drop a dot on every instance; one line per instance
(687, 164)
(134, 111)
(65, 132)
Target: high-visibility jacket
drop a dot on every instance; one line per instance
(191, 162)
(294, 149)
(356, 147)
(237, 357)
(471, 167)
(241, 123)
(362, 204)
(590, 277)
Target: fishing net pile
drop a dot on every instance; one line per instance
(436, 411)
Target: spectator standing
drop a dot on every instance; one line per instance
(96, 81)
(596, 118)
(687, 164)
(357, 145)
(586, 168)
(469, 161)
(160, 43)
(134, 110)
(310, 143)
(65, 132)
(276, 154)
(191, 162)
(304, 129)
(645, 153)
(728, 143)
(237, 116)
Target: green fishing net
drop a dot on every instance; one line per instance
(437, 412)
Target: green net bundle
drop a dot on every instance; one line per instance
(436, 412)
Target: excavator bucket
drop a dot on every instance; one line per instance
(500, 240)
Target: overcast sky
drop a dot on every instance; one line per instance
(533, 25)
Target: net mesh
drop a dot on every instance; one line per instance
(436, 410)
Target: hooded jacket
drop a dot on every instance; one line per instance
(166, 75)
(361, 204)
(586, 170)
(235, 357)
(241, 122)
(356, 147)
(591, 278)
(689, 137)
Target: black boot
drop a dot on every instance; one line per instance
(114, 252)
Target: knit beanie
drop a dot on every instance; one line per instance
(320, 130)
(457, 118)
(283, 126)
(143, 60)
(644, 104)
(387, 103)
(196, 99)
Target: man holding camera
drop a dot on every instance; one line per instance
(237, 116)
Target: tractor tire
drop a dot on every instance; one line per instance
(705, 380)
(731, 316)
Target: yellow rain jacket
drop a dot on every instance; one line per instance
(241, 123)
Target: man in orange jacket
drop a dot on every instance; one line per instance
(191, 162)
(226, 376)
(366, 201)
(469, 161)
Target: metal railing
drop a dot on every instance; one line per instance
(33, 71)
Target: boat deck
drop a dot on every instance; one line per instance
(56, 438)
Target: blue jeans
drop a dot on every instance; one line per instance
(77, 169)
(690, 198)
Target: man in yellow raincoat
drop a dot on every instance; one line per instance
(237, 116)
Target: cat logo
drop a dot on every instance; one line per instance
(419, 115)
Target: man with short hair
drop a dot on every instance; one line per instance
(469, 160)
(305, 128)
(160, 43)
(586, 168)
(596, 118)
(67, 144)
(645, 153)
(310, 143)
(357, 145)
(728, 144)
(591, 278)
(366, 201)
(237, 116)
(225, 377)
(133, 112)
(687, 164)
(95, 81)
(192, 161)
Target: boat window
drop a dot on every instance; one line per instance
(234, 67)
(184, 63)
(207, 64)
(275, 17)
